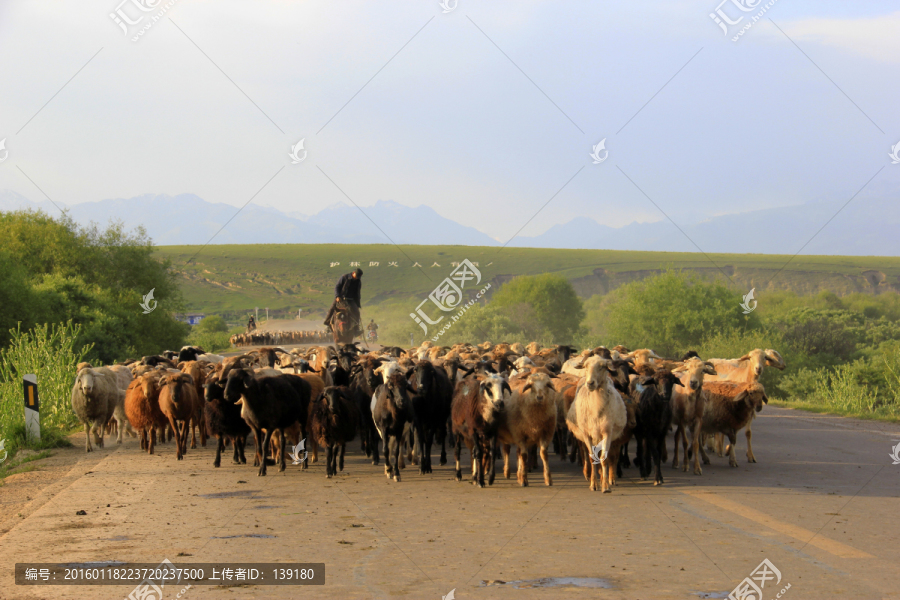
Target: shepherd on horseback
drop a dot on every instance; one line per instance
(348, 293)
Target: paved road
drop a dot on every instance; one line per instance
(821, 505)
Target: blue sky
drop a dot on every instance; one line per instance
(484, 114)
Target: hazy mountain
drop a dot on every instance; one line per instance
(866, 226)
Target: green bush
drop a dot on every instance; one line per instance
(51, 352)
(211, 324)
(540, 306)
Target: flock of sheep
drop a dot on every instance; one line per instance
(400, 402)
(265, 337)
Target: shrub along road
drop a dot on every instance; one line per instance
(820, 504)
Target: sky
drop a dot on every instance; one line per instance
(487, 113)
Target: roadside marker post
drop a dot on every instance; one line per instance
(32, 408)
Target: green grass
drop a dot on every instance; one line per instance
(233, 279)
(889, 416)
(15, 467)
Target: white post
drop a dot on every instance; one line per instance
(257, 314)
(32, 408)
(267, 314)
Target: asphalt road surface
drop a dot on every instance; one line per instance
(821, 505)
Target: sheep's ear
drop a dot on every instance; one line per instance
(742, 396)
(765, 399)
(680, 368)
(527, 387)
(550, 385)
(744, 357)
(506, 387)
(709, 369)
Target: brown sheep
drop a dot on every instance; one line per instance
(687, 409)
(142, 409)
(529, 420)
(729, 407)
(178, 402)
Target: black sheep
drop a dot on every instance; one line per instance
(273, 403)
(332, 423)
(391, 410)
(223, 420)
(654, 413)
(431, 406)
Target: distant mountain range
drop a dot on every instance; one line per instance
(866, 226)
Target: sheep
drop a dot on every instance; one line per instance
(598, 417)
(365, 379)
(210, 358)
(746, 369)
(316, 386)
(476, 411)
(95, 396)
(431, 400)
(332, 423)
(223, 420)
(189, 353)
(687, 409)
(654, 417)
(142, 409)
(392, 410)
(178, 402)
(198, 375)
(270, 403)
(529, 420)
(729, 407)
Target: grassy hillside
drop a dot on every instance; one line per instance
(232, 279)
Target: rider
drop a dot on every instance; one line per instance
(349, 289)
(373, 328)
(251, 324)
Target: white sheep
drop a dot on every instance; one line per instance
(95, 396)
(597, 418)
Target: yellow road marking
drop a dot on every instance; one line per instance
(798, 533)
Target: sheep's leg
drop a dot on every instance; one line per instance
(329, 464)
(625, 461)
(585, 461)
(593, 469)
(282, 464)
(174, 425)
(264, 446)
(87, 438)
(341, 457)
(656, 446)
(442, 440)
(373, 441)
(574, 449)
(143, 438)
(490, 455)
(702, 453)
(192, 426)
(679, 431)
(385, 441)
(505, 450)
(98, 434)
(545, 446)
(732, 437)
(477, 466)
(257, 442)
(720, 443)
(457, 448)
(243, 442)
(522, 464)
(151, 443)
(314, 447)
(749, 434)
(398, 456)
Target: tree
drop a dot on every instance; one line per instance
(95, 278)
(541, 306)
(671, 312)
(211, 324)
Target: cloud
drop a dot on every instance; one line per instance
(872, 37)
